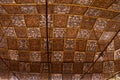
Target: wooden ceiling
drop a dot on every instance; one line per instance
(79, 30)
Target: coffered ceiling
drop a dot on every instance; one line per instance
(79, 30)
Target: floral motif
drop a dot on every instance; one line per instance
(69, 44)
(57, 56)
(23, 44)
(108, 67)
(93, 12)
(29, 9)
(61, 9)
(18, 21)
(79, 56)
(59, 32)
(100, 24)
(74, 21)
(34, 32)
(13, 54)
(91, 45)
(84, 34)
(9, 31)
(35, 56)
(107, 35)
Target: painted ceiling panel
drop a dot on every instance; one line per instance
(78, 31)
